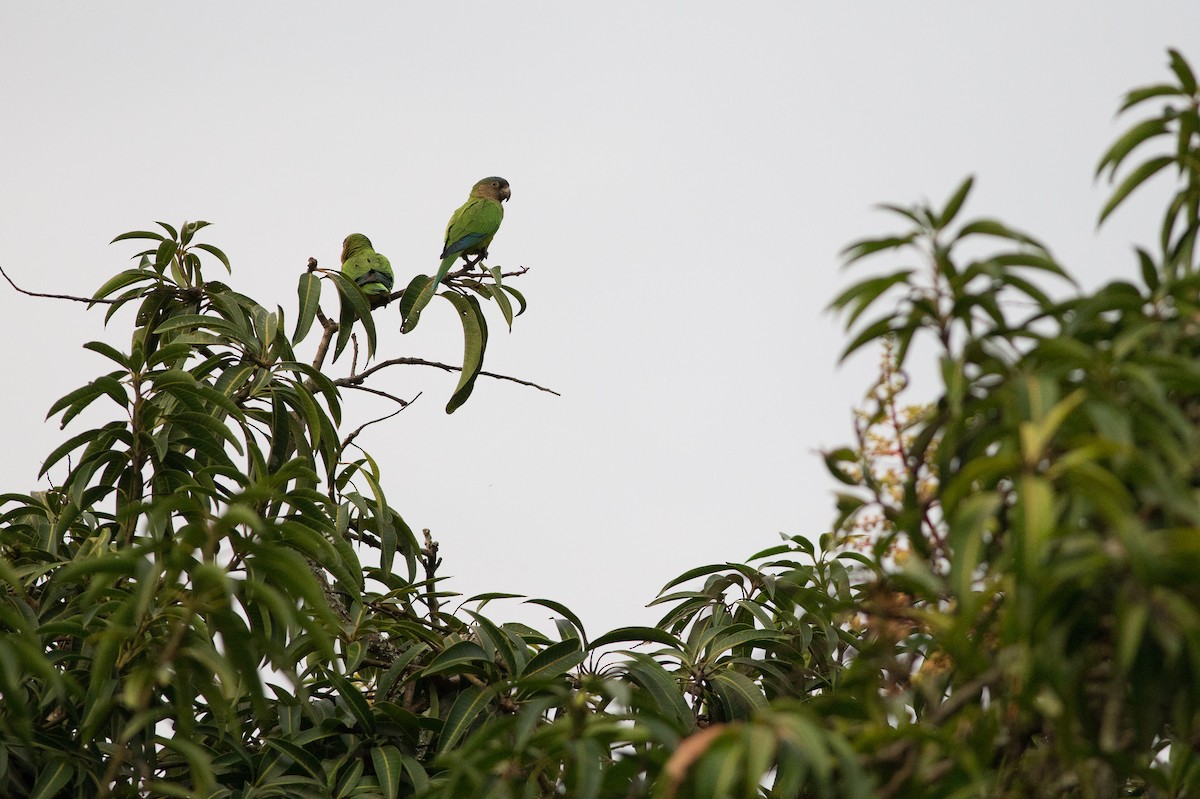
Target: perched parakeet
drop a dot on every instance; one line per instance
(370, 270)
(473, 225)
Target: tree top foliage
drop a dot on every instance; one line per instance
(216, 598)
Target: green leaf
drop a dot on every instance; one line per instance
(165, 254)
(638, 634)
(1179, 65)
(834, 461)
(497, 293)
(472, 701)
(138, 234)
(519, 297)
(474, 345)
(388, 762)
(1141, 132)
(81, 397)
(70, 445)
(190, 321)
(109, 352)
(861, 249)
(1036, 522)
(691, 574)
(210, 249)
(416, 773)
(410, 311)
(1135, 178)
(121, 280)
(876, 330)
(459, 657)
(53, 776)
(955, 203)
(739, 695)
(302, 758)
(663, 688)
(558, 607)
(864, 293)
(1149, 93)
(992, 227)
(724, 642)
(554, 660)
(496, 642)
(970, 522)
(355, 701)
(359, 303)
(309, 291)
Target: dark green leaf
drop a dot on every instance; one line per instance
(309, 290)
(1134, 179)
(955, 203)
(474, 345)
(554, 660)
(472, 701)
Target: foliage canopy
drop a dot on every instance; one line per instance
(216, 598)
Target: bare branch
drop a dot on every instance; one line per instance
(88, 300)
(495, 376)
(470, 271)
(431, 561)
(463, 272)
(361, 376)
(403, 404)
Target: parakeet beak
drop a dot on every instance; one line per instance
(505, 193)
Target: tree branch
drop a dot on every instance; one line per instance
(403, 404)
(88, 300)
(431, 561)
(463, 272)
(357, 379)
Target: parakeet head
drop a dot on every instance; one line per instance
(492, 188)
(353, 243)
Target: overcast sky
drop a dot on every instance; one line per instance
(683, 178)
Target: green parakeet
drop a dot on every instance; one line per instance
(370, 270)
(473, 226)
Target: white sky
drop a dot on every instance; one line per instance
(683, 178)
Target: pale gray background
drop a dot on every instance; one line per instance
(683, 178)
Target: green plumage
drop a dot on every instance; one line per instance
(370, 270)
(474, 225)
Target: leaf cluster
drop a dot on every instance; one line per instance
(216, 597)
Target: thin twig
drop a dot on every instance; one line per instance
(470, 270)
(361, 376)
(403, 404)
(466, 270)
(51, 296)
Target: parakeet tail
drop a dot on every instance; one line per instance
(447, 262)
